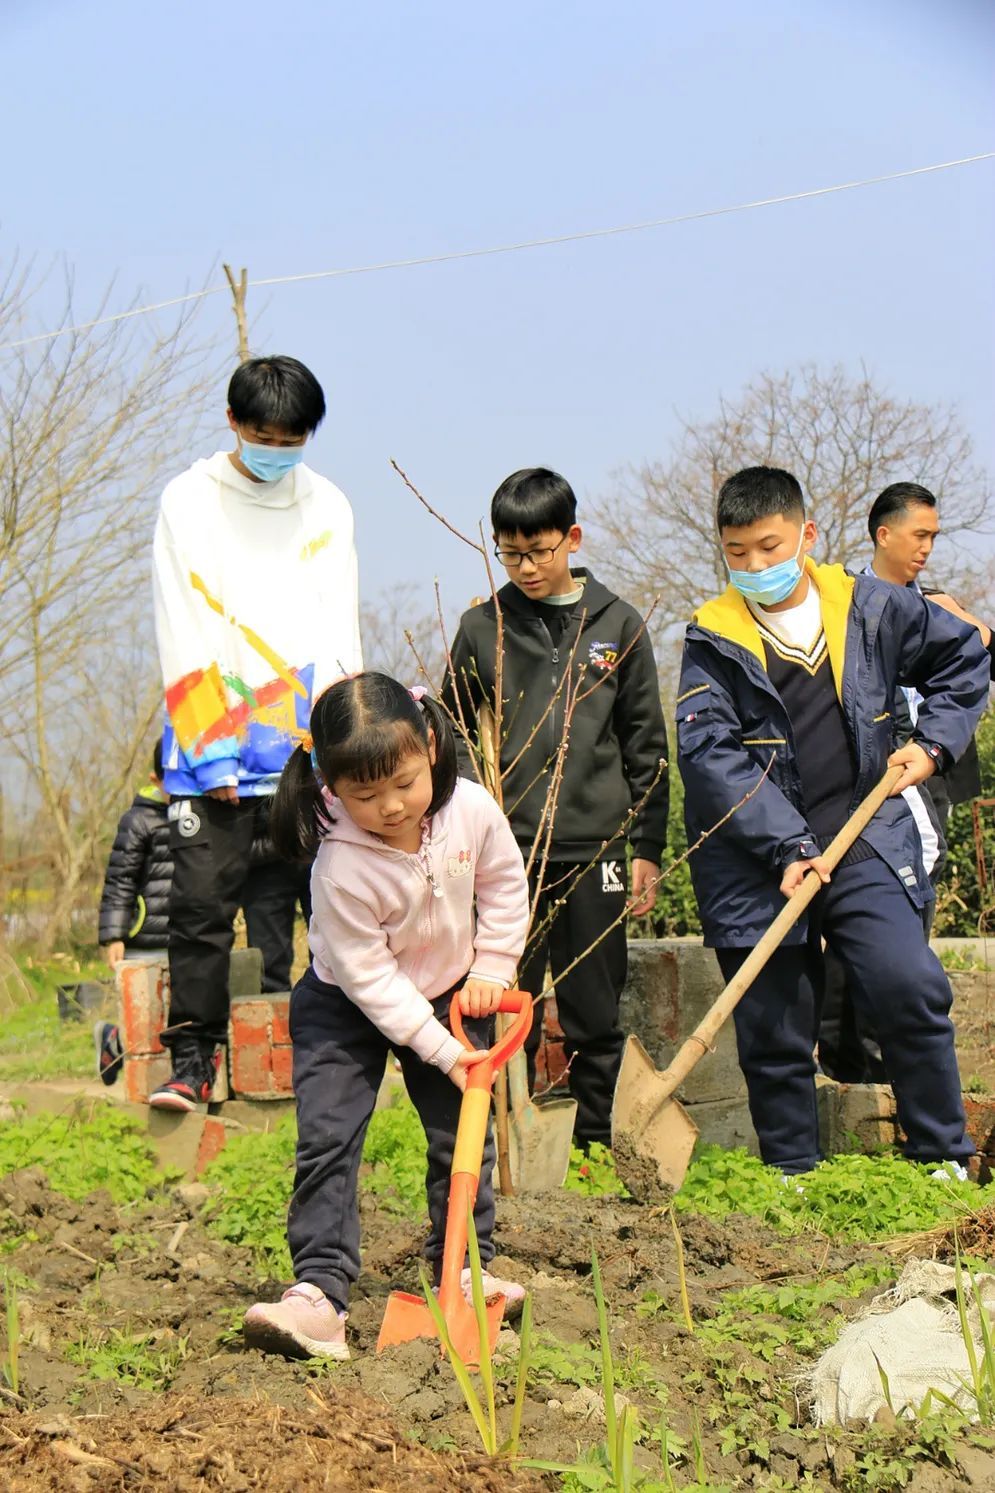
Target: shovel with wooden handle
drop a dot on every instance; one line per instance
(652, 1133)
(537, 1137)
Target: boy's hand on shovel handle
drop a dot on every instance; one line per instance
(918, 765)
(798, 870)
(465, 1060)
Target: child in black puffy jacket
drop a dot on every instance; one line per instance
(134, 905)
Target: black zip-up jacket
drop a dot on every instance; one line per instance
(134, 906)
(616, 756)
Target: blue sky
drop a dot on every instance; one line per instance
(152, 141)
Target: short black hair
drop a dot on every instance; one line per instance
(755, 493)
(276, 391)
(897, 499)
(157, 758)
(532, 500)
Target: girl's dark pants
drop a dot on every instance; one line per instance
(339, 1063)
(877, 935)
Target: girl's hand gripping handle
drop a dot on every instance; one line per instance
(477, 1069)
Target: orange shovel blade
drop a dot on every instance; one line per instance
(407, 1317)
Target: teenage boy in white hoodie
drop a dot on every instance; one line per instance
(256, 610)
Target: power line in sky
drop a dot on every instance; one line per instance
(535, 243)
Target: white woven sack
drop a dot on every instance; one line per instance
(913, 1334)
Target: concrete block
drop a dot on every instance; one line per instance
(671, 985)
(190, 1141)
(245, 972)
(725, 1122)
(855, 1117)
(143, 992)
(143, 1072)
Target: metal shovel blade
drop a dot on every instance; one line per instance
(653, 1135)
(540, 1135)
(407, 1317)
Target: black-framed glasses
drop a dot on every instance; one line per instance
(512, 559)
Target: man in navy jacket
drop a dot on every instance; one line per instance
(794, 668)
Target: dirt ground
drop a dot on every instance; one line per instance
(220, 1417)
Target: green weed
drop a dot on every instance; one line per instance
(106, 1149)
(962, 961)
(767, 1320)
(593, 1173)
(395, 1153)
(254, 1177)
(850, 1197)
(10, 1366)
(142, 1361)
(35, 1043)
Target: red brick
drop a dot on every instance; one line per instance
(980, 1115)
(283, 1072)
(551, 1061)
(281, 1020)
(143, 1073)
(250, 1023)
(252, 1070)
(212, 1141)
(143, 994)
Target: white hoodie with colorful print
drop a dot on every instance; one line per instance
(256, 612)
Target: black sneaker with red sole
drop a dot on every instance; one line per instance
(107, 1042)
(194, 1071)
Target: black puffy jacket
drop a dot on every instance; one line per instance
(134, 906)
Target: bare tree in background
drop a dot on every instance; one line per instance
(91, 425)
(394, 616)
(844, 438)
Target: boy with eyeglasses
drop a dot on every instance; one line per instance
(577, 662)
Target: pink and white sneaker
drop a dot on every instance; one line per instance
(513, 1293)
(302, 1324)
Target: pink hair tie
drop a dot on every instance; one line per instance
(418, 693)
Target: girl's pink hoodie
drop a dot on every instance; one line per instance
(393, 936)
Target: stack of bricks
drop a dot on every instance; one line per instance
(144, 994)
(259, 1047)
(259, 1044)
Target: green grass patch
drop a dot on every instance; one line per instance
(105, 1149)
(35, 1042)
(849, 1197)
(255, 1178)
(142, 1361)
(592, 1173)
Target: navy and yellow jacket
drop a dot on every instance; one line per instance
(731, 722)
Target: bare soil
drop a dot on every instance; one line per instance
(222, 1417)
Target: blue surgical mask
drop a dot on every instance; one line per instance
(269, 463)
(767, 587)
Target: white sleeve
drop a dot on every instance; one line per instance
(367, 971)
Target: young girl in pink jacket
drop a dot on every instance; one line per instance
(402, 849)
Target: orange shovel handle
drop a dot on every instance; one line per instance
(513, 1002)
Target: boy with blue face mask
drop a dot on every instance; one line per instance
(794, 668)
(256, 609)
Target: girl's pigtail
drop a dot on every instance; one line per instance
(445, 767)
(297, 812)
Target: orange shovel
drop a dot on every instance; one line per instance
(408, 1316)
